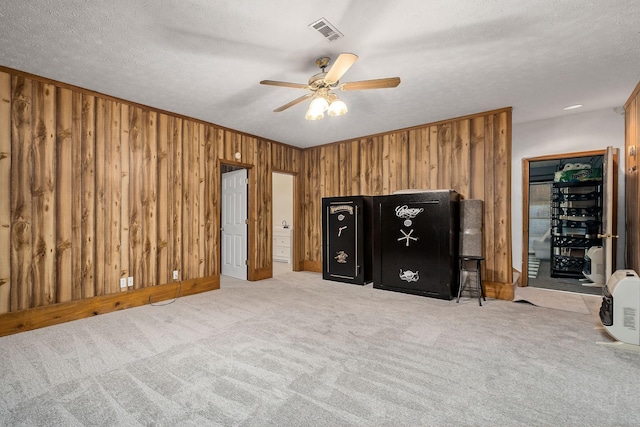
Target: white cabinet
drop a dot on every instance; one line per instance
(282, 244)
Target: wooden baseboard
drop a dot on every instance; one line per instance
(497, 290)
(315, 266)
(261, 274)
(40, 317)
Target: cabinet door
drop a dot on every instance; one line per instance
(341, 234)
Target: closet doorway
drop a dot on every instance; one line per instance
(283, 226)
(569, 205)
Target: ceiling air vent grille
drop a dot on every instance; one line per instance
(327, 30)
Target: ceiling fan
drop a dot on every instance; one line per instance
(322, 84)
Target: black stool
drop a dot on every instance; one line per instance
(478, 270)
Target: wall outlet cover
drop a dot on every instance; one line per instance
(130, 280)
(176, 275)
(123, 282)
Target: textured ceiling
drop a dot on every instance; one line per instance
(204, 58)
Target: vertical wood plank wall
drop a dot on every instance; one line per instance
(632, 181)
(94, 188)
(471, 155)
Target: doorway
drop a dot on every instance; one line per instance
(564, 221)
(283, 225)
(233, 222)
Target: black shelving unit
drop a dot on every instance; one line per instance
(576, 221)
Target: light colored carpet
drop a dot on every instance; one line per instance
(299, 351)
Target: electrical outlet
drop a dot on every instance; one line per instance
(130, 281)
(176, 275)
(123, 282)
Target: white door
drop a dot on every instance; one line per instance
(234, 224)
(608, 238)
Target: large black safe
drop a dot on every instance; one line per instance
(415, 244)
(347, 248)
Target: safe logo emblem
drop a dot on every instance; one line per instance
(409, 276)
(407, 214)
(341, 257)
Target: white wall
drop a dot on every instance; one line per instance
(282, 208)
(567, 134)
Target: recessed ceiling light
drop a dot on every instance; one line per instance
(572, 107)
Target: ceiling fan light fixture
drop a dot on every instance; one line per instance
(314, 114)
(319, 104)
(337, 107)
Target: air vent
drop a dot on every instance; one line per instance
(327, 30)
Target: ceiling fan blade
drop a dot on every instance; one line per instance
(284, 84)
(340, 66)
(371, 84)
(292, 103)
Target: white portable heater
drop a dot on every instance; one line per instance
(620, 306)
(594, 265)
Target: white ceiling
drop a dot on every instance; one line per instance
(204, 58)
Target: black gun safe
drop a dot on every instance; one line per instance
(415, 243)
(347, 248)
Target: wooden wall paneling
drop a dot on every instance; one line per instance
(76, 196)
(113, 198)
(43, 192)
(423, 157)
(88, 199)
(632, 182)
(344, 169)
(21, 204)
(366, 160)
(354, 168)
(200, 201)
(489, 205)
(461, 157)
(262, 233)
(415, 163)
(5, 193)
(502, 153)
(125, 222)
(401, 161)
(476, 154)
(150, 198)
(434, 146)
(100, 202)
(312, 210)
(187, 200)
(136, 185)
(387, 172)
(64, 185)
(164, 275)
(211, 202)
(191, 223)
(444, 156)
(165, 200)
(635, 216)
(176, 157)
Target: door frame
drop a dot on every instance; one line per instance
(296, 248)
(239, 218)
(251, 273)
(525, 201)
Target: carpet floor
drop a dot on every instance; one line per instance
(295, 350)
